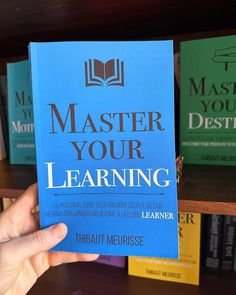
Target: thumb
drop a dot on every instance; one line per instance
(39, 241)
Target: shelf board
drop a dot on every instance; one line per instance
(208, 189)
(94, 278)
(205, 189)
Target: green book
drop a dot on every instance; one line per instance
(208, 101)
(20, 113)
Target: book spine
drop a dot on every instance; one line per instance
(214, 240)
(1, 205)
(228, 243)
(234, 256)
(177, 100)
(2, 142)
(3, 119)
(204, 220)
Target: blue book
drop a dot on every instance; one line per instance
(104, 124)
(20, 113)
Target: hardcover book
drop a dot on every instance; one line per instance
(214, 234)
(228, 242)
(20, 113)
(187, 268)
(3, 118)
(1, 205)
(234, 257)
(104, 124)
(208, 101)
(2, 141)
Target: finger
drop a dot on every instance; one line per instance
(57, 258)
(27, 246)
(17, 219)
(12, 228)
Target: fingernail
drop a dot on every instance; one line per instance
(59, 229)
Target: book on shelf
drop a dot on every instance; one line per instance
(1, 205)
(214, 233)
(105, 145)
(20, 113)
(3, 118)
(184, 270)
(177, 68)
(234, 257)
(208, 96)
(119, 261)
(228, 242)
(2, 142)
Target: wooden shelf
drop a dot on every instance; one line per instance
(90, 278)
(205, 189)
(208, 189)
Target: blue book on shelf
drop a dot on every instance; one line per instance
(104, 124)
(20, 113)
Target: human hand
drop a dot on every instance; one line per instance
(24, 254)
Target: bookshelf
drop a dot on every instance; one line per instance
(202, 188)
(92, 278)
(205, 189)
(15, 178)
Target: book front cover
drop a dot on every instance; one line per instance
(184, 270)
(208, 101)
(20, 111)
(104, 125)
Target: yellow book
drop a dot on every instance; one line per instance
(187, 268)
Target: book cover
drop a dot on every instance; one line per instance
(228, 242)
(118, 261)
(184, 270)
(105, 145)
(20, 113)
(208, 101)
(214, 233)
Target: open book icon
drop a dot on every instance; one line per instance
(110, 73)
(226, 56)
